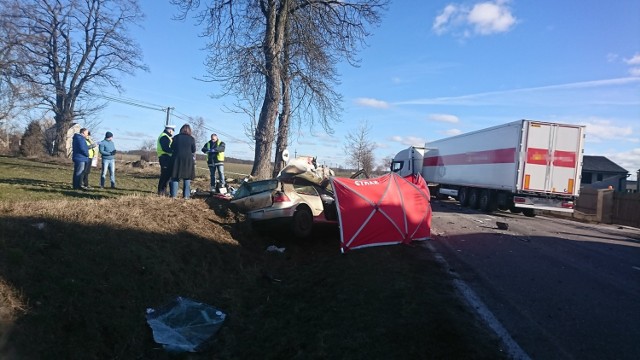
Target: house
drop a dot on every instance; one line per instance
(50, 137)
(598, 172)
(632, 186)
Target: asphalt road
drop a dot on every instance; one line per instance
(562, 289)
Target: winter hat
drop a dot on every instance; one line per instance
(108, 135)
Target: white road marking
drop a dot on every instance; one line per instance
(514, 351)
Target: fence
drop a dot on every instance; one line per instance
(608, 206)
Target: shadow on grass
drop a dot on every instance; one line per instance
(87, 288)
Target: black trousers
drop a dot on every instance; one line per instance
(165, 173)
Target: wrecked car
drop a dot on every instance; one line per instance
(290, 200)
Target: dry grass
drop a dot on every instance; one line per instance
(78, 273)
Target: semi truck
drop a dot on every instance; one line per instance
(520, 166)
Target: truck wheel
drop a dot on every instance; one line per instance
(302, 223)
(463, 196)
(515, 210)
(487, 201)
(473, 199)
(529, 212)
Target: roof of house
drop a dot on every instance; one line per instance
(601, 164)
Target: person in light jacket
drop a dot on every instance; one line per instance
(183, 148)
(92, 154)
(163, 148)
(108, 152)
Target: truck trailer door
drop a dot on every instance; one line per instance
(551, 158)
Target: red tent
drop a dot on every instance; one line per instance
(381, 211)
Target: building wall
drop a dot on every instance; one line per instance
(602, 180)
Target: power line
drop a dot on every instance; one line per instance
(186, 117)
(177, 114)
(132, 102)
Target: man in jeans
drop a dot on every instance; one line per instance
(214, 149)
(80, 156)
(108, 151)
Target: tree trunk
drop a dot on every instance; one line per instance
(63, 124)
(265, 130)
(283, 126)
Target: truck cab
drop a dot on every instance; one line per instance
(408, 161)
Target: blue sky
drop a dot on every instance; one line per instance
(432, 69)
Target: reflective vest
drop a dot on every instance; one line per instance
(92, 150)
(159, 146)
(219, 155)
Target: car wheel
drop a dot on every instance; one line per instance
(529, 212)
(473, 199)
(463, 196)
(302, 222)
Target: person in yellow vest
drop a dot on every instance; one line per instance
(92, 154)
(163, 148)
(214, 149)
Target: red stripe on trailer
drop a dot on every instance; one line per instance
(498, 156)
(564, 159)
(537, 156)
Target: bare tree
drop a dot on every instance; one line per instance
(247, 42)
(385, 164)
(70, 48)
(198, 130)
(148, 146)
(359, 148)
(14, 94)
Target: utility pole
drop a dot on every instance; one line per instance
(168, 114)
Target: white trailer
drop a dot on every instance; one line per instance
(520, 166)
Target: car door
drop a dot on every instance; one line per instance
(255, 195)
(308, 193)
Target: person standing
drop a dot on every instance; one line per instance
(80, 156)
(183, 148)
(108, 152)
(92, 153)
(163, 148)
(214, 149)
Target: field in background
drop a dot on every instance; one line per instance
(78, 269)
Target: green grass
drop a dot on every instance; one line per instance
(78, 270)
(22, 179)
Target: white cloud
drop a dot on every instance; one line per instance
(452, 132)
(634, 71)
(497, 97)
(483, 18)
(489, 18)
(441, 21)
(599, 130)
(408, 140)
(635, 60)
(630, 160)
(444, 118)
(611, 57)
(374, 103)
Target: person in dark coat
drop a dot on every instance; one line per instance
(80, 156)
(183, 148)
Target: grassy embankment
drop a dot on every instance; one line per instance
(79, 268)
